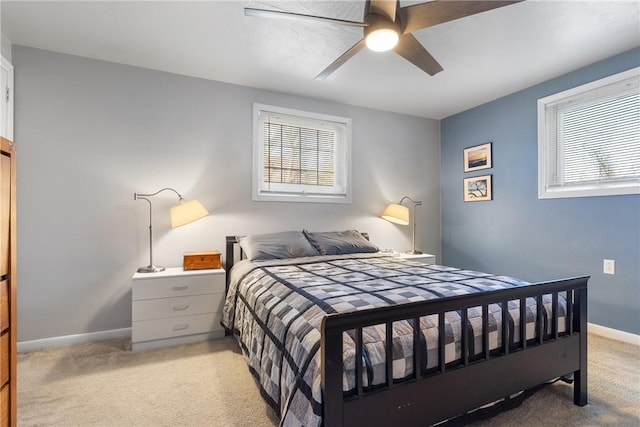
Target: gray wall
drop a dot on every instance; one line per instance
(89, 134)
(535, 239)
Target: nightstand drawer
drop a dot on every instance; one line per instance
(4, 405)
(4, 358)
(179, 306)
(4, 305)
(168, 287)
(175, 327)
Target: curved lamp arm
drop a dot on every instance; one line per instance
(142, 196)
(419, 203)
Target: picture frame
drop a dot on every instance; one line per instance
(478, 157)
(478, 188)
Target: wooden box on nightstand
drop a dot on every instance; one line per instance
(176, 307)
(201, 260)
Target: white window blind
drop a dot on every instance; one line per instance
(300, 156)
(589, 139)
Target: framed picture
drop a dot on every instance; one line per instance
(478, 157)
(478, 188)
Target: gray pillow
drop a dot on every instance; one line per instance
(340, 242)
(286, 244)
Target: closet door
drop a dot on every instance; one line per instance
(6, 99)
(8, 287)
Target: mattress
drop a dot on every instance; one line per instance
(275, 308)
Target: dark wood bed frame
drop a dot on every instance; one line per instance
(429, 398)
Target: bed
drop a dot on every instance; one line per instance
(367, 338)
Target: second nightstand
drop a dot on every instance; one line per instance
(423, 258)
(176, 307)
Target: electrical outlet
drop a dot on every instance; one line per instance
(609, 266)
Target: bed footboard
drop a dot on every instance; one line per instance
(431, 397)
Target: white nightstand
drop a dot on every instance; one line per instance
(423, 258)
(176, 307)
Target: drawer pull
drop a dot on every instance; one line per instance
(180, 288)
(180, 307)
(181, 327)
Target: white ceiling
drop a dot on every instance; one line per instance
(484, 56)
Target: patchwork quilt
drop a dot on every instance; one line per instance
(275, 309)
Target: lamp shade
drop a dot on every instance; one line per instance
(396, 213)
(187, 212)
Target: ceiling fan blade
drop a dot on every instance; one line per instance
(410, 49)
(384, 7)
(262, 13)
(436, 12)
(343, 58)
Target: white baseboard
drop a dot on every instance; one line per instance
(613, 334)
(25, 346)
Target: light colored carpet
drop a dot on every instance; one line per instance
(105, 384)
(208, 384)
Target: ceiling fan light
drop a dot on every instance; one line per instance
(382, 39)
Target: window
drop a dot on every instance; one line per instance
(589, 139)
(300, 156)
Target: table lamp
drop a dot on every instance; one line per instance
(183, 213)
(399, 214)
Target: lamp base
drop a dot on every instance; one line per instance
(150, 269)
(413, 252)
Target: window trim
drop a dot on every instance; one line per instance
(546, 191)
(258, 158)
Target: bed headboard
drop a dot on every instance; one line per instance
(232, 241)
(233, 248)
(229, 258)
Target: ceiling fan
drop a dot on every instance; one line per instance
(388, 26)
